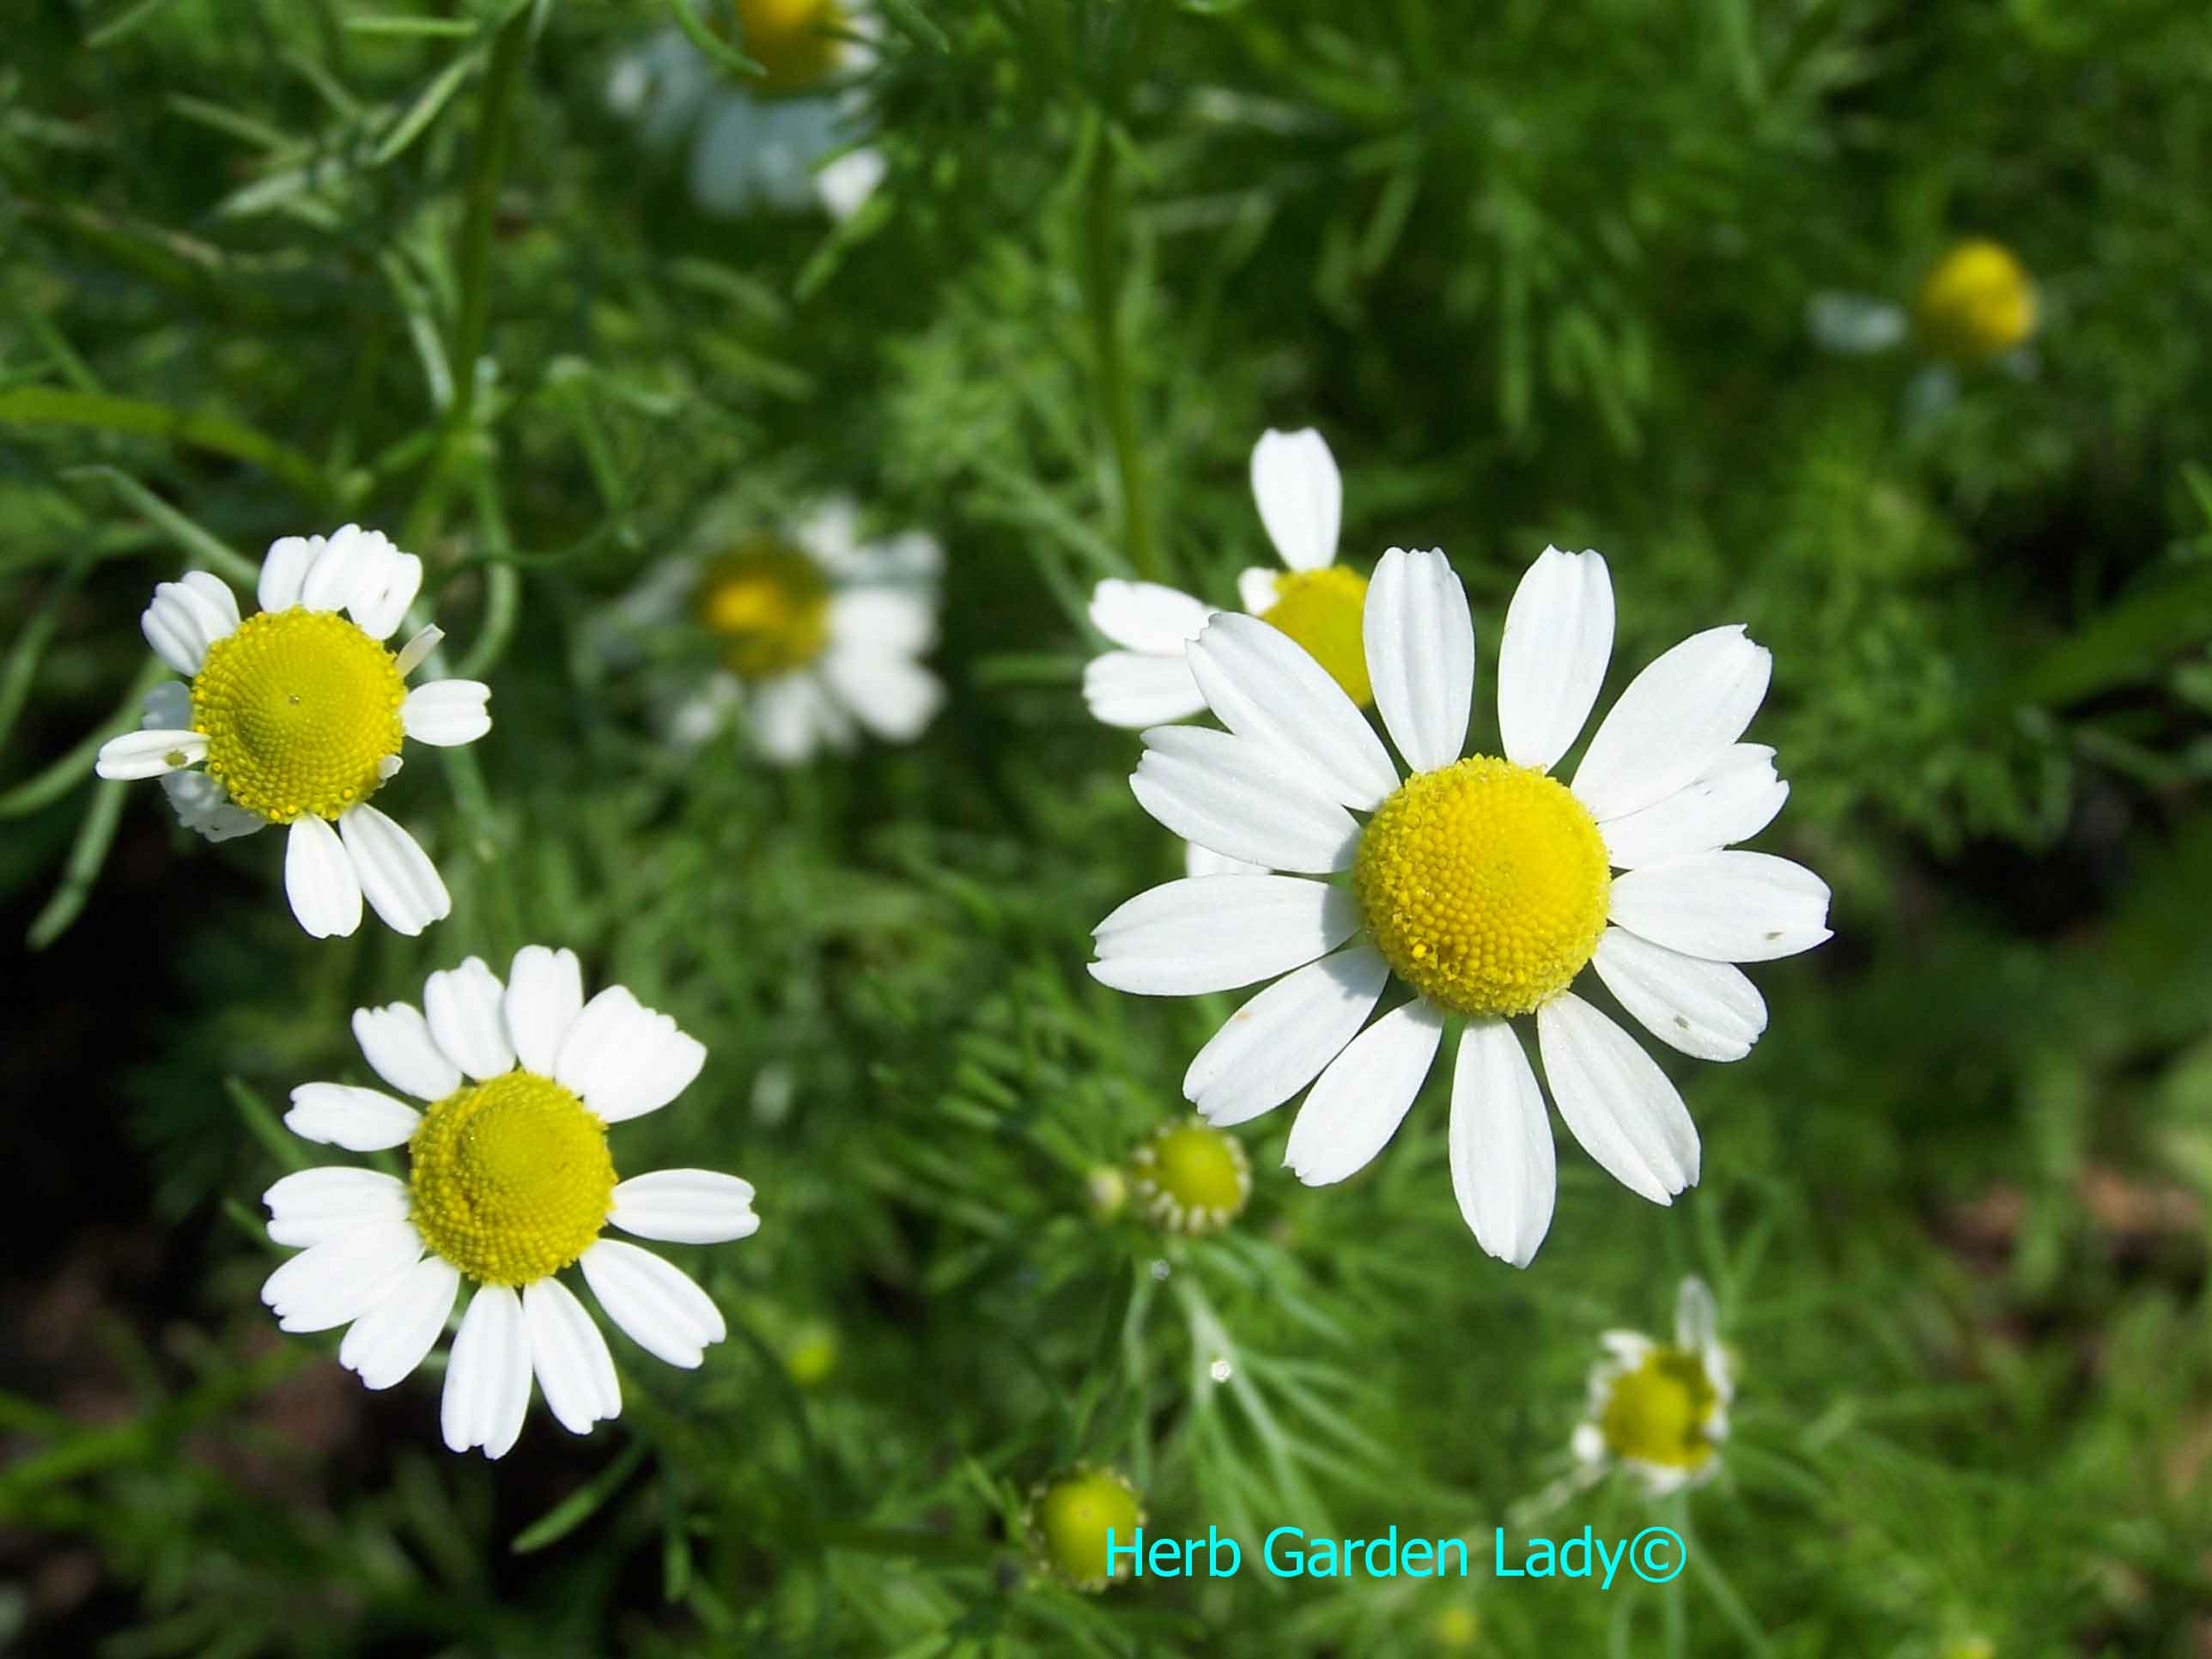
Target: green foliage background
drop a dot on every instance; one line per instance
(1539, 272)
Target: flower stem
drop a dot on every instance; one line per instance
(1103, 283)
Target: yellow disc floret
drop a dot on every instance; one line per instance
(769, 606)
(796, 42)
(1660, 1412)
(1977, 302)
(511, 1179)
(1191, 1177)
(300, 710)
(1322, 611)
(1072, 1518)
(1484, 885)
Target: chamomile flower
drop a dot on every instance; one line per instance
(820, 635)
(1190, 1177)
(296, 715)
(510, 1182)
(1659, 1410)
(1484, 885)
(783, 141)
(1314, 599)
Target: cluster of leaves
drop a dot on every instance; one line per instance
(1539, 272)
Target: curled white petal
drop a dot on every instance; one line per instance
(685, 1206)
(402, 884)
(1300, 496)
(319, 879)
(1217, 932)
(1419, 639)
(446, 714)
(658, 1306)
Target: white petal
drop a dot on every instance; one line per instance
(320, 880)
(1726, 907)
(545, 994)
(149, 754)
(359, 1119)
(285, 568)
(1258, 588)
(416, 650)
(1559, 638)
(334, 1282)
(1707, 1009)
(889, 620)
(1244, 798)
(1674, 721)
(404, 887)
(186, 617)
(1502, 1158)
(1278, 1042)
(202, 806)
(1300, 496)
(787, 715)
(1364, 1095)
(1146, 617)
(1123, 687)
(396, 1040)
(1696, 1322)
(570, 1357)
(337, 570)
(845, 184)
(487, 1374)
(463, 1006)
(1732, 801)
(1264, 686)
(315, 1205)
(380, 604)
(392, 1337)
(1617, 1101)
(624, 1060)
(658, 1306)
(447, 712)
(1216, 932)
(894, 697)
(1419, 639)
(685, 1206)
(1205, 861)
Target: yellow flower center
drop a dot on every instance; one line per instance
(300, 710)
(1069, 1518)
(796, 42)
(769, 606)
(511, 1179)
(1977, 302)
(1658, 1412)
(1484, 885)
(1321, 610)
(1191, 1177)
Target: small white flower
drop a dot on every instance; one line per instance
(510, 1182)
(820, 635)
(1318, 604)
(297, 714)
(1660, 1411)
(1483, 884)
(783, 141)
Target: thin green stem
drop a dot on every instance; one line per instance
(1102, 245)
(494, 125)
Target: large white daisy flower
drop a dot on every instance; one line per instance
(1660, 1410)
(509, 1182)
(819, 635)
(1483, 884)
(298, 713)
(1318, 603)
(780, 142)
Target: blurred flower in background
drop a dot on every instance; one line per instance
(1660, 1410)
(785, 141)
